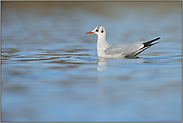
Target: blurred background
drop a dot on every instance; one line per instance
(50, 70)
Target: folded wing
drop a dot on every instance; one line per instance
(130, 50)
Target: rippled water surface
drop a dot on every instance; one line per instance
(50, 69)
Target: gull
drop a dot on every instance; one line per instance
(106, 50)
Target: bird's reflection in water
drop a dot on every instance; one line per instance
(102, 62)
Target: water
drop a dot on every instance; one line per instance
(51, 72)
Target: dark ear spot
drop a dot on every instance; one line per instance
(102, 31)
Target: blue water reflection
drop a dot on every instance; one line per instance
(51, 72)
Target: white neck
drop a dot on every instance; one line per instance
(102, 44)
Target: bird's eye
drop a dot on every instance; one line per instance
(102, 31)
(97, 30)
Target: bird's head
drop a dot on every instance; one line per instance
(99, 30)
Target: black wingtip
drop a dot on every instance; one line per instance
(158, 38)
(155, 39)
(150, 43)
(154, 43)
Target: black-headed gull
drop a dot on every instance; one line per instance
(106, 50)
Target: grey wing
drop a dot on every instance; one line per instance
(123, 49)
(116, 49)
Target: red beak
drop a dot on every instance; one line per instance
(89, 32)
